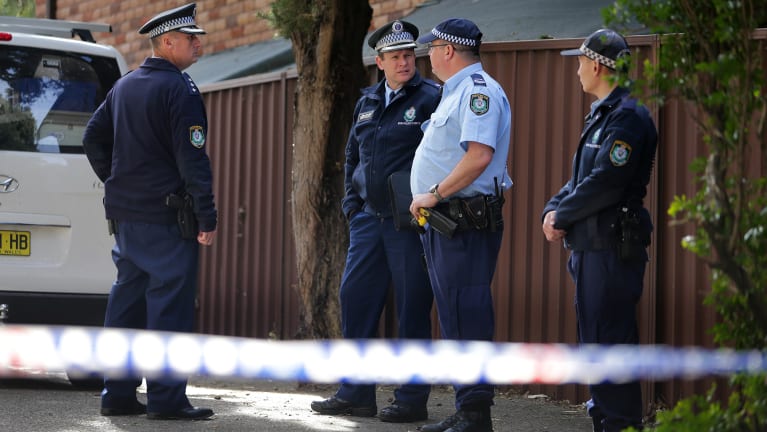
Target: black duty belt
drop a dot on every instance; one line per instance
(480, 212)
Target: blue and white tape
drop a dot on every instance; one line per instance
(121, 352)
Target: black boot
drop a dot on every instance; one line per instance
(463, 421)
(337, 406)
(441, 426)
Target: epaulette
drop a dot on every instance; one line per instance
(628, 103)
(478, 79)
(190, 84)
(431, 83)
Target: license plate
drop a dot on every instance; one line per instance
(17, 243)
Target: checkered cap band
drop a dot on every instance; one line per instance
(454, 39)
(186, 21)
(395, 39)
(593, 55)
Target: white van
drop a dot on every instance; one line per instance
(55, 265)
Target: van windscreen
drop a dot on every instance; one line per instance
(47, 98)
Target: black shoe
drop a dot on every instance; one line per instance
(403, 413)
(463, 421)
(338, 406)
(137, 408)
(190, 413)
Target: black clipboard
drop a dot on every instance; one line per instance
(401, 198)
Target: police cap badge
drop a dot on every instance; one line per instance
(396, 35)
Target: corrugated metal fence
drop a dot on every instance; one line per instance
(247, 278)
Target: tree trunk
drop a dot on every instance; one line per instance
(328, 55)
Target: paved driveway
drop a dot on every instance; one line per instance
(49, 403)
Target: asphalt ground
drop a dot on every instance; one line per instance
(48, 403)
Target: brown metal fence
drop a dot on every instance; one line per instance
(247, 279)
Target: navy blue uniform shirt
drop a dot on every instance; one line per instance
(611, 169)
(383, 140)
(147, 140)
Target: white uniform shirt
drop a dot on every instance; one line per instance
(474, 107)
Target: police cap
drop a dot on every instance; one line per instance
(396, 35)
(604, 46)
(179, 19)
(457, 31)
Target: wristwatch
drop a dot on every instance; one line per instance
(433, 190)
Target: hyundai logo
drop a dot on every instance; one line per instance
(8, 184)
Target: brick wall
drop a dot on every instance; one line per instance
(389, 10)
(229, 23)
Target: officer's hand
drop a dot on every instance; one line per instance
(206, 238)
(551, 233)
(420, 201)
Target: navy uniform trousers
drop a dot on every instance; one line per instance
(154, 290)
(461, 270)
(607, 291)
(379, 256)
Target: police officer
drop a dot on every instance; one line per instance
(460, 170)
(382, 141)
(146, 142)
(600, 215)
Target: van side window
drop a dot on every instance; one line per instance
(47, 98)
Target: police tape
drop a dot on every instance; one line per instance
(124, 352)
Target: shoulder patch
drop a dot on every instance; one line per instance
(478, 79)
(190, 84)
(620, 153)
(479, 103)
(197, 136)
